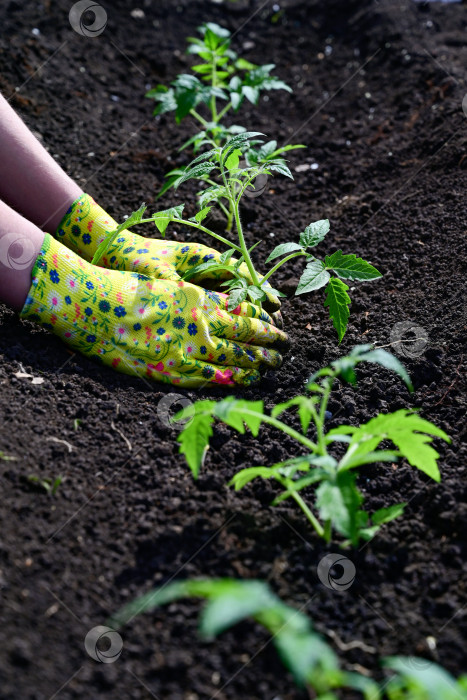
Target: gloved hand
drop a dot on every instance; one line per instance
(85, 225)
(168, 331)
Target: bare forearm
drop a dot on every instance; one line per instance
(30, 180)
(20, 243)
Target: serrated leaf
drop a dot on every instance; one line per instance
(251, 93)
(385, 515)
(225, 257)
(211, 265)
(206, 156)
(245, 599)
(338, 300)
(212, 193)
(201, 215)
(197, 172)
(385, 359)
(238, 412)
(233, 160)
(194, 438)
(434, 680)
(163, 218)
(314, 233)
(339, 502)
(244, 476)
(411, 434)
(280, 168)
(256, 294)
(350, 267)
(236, 297)
(313, 277)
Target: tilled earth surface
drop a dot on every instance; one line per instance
(378, 90)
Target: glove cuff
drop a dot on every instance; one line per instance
(84, 226)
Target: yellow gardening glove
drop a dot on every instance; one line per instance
(169, 331)
(85, 225)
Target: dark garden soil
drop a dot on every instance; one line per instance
(378, 95)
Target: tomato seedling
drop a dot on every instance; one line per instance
(303, 651)
(234, 181)
(225, 76)
(337, 499)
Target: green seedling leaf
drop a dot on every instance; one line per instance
(198, 172)
(225, 257)
(384, 359)
(7, 458)
(233, 160)
(212, 193)
(201, 215)
(236, 297)
(216, 29)
(211, 265)
(314, 233)
(338, 302)
(313, 277)
(134, 219)
(194, 438)
(350, 267)
(244, 476)
(235, 603)
(339, 502)
(163, 218)
(350, 460)
(251, 93)
(172, 178)
(385, 515)
(256, 294)
(238, 412)
(206, 156)
(280, 168)
(411, 434)
(304, 653)
(434, 680)
(165, 97)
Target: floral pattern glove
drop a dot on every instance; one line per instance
(169, 331)
(86, 225)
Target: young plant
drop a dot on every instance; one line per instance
(337, 499)
(234, 182)
(304, 653)
(46, 484)
(7, 458)
(418, 679)
(222, 76)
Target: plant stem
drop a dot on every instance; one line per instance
(213, 83)
(313, 520)
(230, 216)
(276, 267)
(197, 116)
(291, 432)
(224, 111)
(327, 530)
(327, 383)
(246, 254)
